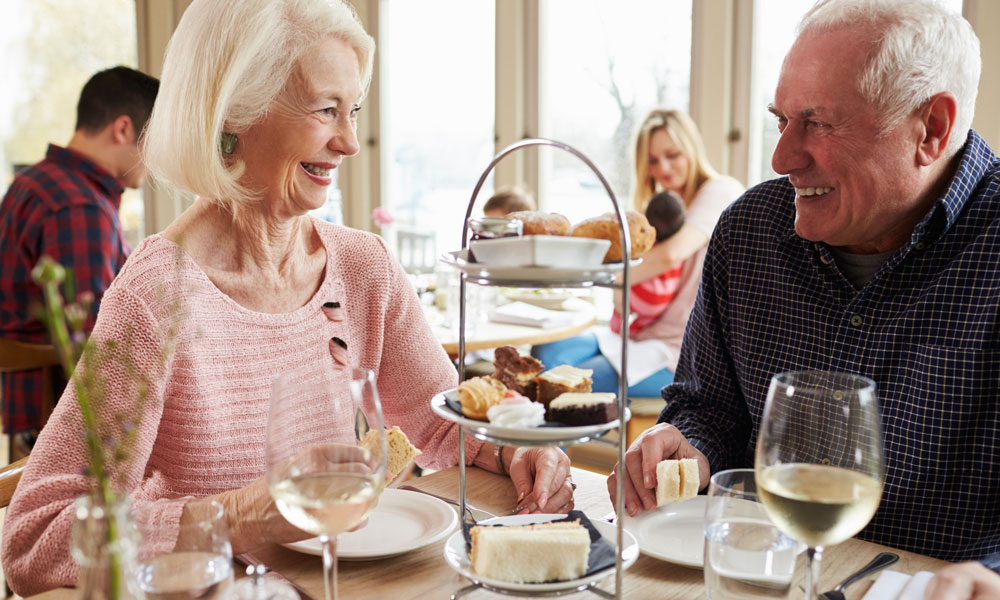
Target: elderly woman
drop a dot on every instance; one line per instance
(257, 107)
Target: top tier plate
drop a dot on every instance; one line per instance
(539, 276)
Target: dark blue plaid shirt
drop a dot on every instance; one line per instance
(926, 328)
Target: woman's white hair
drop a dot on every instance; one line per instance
(225, 64)
(923, 49)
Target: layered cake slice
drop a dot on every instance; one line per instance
(676, 480)
(576, 408)
(560, 380)
(517, 372)
(531, 553)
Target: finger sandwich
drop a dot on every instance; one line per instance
(531, 553)
(676, 480)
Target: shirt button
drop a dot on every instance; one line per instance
(856, 320)
(920, 245)
(825, 260)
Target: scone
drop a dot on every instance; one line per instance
(605, 227)
(676, 480)
(515, 371)
(478, 394)
(400, 450)
(541, 223)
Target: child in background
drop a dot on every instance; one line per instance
(648, 299)
(507, 200)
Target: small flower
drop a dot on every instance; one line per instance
(382, 217)
(48, 271)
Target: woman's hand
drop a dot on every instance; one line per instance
(251, 512)
(542, 480)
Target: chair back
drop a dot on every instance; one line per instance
(24, 356)
(416, 251)
(10, 475)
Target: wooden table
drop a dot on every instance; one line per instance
(486, 335)
(423, 573)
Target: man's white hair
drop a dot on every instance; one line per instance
(225, 64)
(923, 48)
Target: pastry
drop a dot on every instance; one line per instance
(535, 222)
(605, 227)
(584, 409)
(517, 372)
(400, 450)
(676, 480)
(516, 410)
(555, 382)
(531, 553)
(478, 394)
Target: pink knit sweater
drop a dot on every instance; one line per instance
(203, 432)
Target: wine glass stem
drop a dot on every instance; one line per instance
(812, 571)
(329, 566)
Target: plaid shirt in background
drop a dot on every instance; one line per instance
(66, 207)
(926, 328)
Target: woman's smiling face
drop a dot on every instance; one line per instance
(289, 156)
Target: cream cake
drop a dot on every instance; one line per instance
(676, 480)
(560, 380)
(576, 408)
(531, 553)
(478, 394)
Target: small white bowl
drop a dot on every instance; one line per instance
(564, 252)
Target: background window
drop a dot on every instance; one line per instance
(603, 66)
(437, 112)
(50, 49)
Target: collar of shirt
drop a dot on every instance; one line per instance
(94, 172)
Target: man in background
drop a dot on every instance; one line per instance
(66, 207)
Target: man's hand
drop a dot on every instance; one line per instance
(964, 581)
(657, 443)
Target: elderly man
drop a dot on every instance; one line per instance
(878, 254)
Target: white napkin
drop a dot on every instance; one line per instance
(644, 358)
(520, 313)
(893, 585)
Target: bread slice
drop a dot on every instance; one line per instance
(531, 553)
(401, 451)
(676, 480)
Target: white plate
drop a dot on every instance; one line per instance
(555, 251)
(402, 521)
(526, 434)
(602, 274)
(552, 299)
(457, 557)
(674, 533)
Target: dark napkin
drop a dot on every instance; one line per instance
(456, 407)
(602, 554)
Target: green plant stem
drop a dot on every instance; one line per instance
(104, 493)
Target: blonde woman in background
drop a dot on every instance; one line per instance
(669, 156)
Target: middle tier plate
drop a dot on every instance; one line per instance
(546, 433)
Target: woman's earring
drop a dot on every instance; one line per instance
(227, 143)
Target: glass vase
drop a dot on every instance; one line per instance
(105, 545)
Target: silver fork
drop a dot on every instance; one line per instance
(881, 561)
(484, 514)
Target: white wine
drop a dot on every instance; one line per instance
(327, 503)
(819, 505)
(186, 576)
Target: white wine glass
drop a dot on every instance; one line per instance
(326, 455)
(819, 464)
